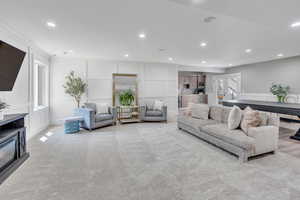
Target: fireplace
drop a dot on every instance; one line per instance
(8, 152)
(12, 144)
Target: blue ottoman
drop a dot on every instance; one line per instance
(72, 124)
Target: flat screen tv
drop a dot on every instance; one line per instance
(11, 60)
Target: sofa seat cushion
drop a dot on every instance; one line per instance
(103, 117)
(194, 122)
(154, 113)
(235, 137)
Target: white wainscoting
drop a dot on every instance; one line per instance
(155, 81)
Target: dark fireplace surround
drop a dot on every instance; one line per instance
(13, 150)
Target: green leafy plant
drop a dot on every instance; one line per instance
(75, 87)
(126, 98)
(3, 105)
(280, 91)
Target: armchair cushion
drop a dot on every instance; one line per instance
(154, 113)
(103, 117)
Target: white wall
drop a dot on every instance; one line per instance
(155, 81)
(21, 98)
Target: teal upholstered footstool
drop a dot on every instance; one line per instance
(72, 124)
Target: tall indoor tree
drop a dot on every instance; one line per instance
(75, 87)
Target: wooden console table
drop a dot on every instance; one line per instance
(274, 107)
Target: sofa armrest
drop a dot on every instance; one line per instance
(265, 137)
(88, 116)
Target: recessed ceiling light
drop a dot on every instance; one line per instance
(209, 19)
(248, 50)
(280, 55)
(296, 24)
(68, 52)
(203, 44)
(126, 55)
(203, 62)
(170, 59)
(142, 35)
(51, 24)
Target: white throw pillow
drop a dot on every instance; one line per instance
(102, 108)
(234, 118)
(200, 111)
(158, 105)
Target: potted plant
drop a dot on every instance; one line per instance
(126, 98)
(280, 91)
(75, 87)
(3, 106)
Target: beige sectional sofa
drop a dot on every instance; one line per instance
(258, 140)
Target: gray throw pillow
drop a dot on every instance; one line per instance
(234, 118)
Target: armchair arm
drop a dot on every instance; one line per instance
(142, 112)
(88, 115)
(165, 112)
(266, 138)
(113, 111)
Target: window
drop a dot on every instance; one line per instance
(40, 85)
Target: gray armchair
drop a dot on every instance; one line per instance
(147, 113)
(92, 119)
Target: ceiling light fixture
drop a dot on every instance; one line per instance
(170, 59)
(248, 50)
(68, 52)
(296, 24)
(203, 62)
(230, 65)
(142, 35)
(126, 55)
(51, 24)
(280, 55)
(203, 44)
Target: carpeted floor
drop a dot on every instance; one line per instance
(152, 161)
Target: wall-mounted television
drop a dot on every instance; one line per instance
(11, 60)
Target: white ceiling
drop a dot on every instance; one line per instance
(108, 29)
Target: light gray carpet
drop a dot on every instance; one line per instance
(150, 161)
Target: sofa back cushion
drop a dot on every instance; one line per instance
(200, 111)
(225, 114)
(234, 118)
(215, 113)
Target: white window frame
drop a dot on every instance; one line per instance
(38, 64)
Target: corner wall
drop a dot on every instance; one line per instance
(155, 81)
(21, 98)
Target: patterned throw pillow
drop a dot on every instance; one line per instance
(250, 118)
(158, 105)
(234, 118)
